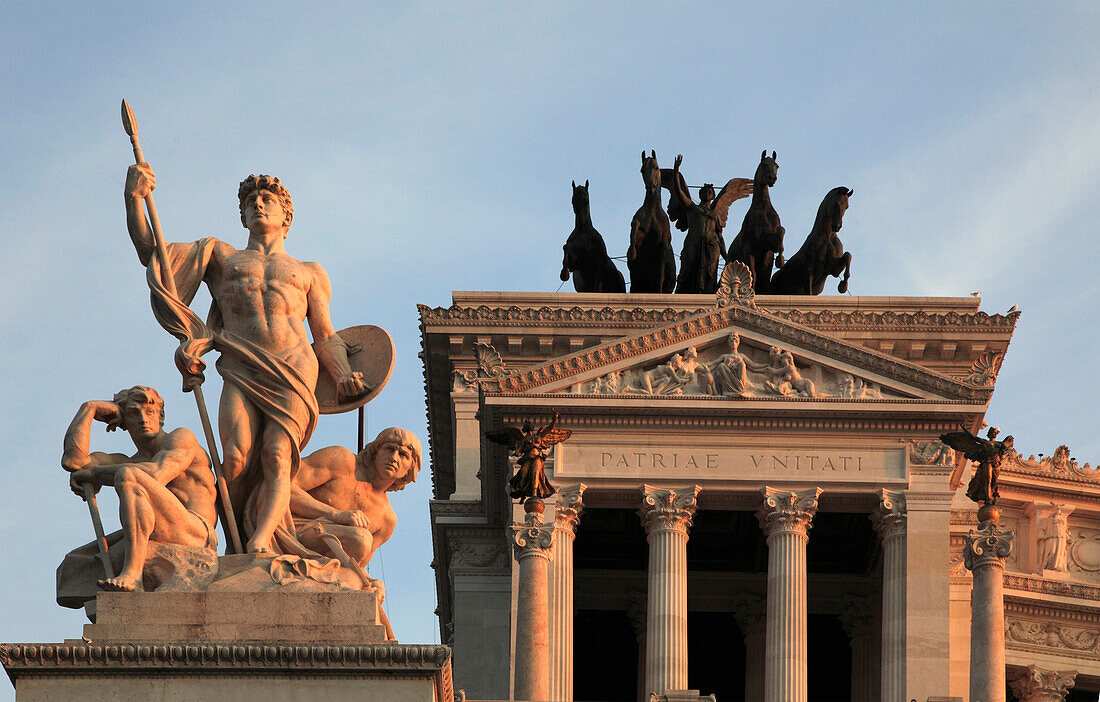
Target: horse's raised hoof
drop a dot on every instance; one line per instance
(843, 287)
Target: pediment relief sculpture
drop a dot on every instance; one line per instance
(734, 369)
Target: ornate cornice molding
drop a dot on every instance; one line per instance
(988, 545)
(668, 509)
(20, 658)
(1042, 586)
(683, 331)
(905, 321)
(787, 511)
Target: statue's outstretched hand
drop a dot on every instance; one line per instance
(352, 517)
(351, 385)
(140, 181)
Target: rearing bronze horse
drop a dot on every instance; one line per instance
(586, 254)
(759, 244)
(650, 258)
(822, 255)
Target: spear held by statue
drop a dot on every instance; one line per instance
(195, 338)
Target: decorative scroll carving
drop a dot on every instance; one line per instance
(787, 510)
(984, 369)
(478, 554)
(987, 545)
(930, 453)
(669, 509)
(532, 538)
(1035, 684)
(889, 515)
(567, 512)
(736, 286)
(489, 365)
(1051, 635)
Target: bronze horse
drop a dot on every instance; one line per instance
(650, 259)
(821, 255)
(586, 254)
(759, 244)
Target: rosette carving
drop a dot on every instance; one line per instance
(532, 539)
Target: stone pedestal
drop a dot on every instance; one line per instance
(271, 672)
(751, 613)
(785, 518)
(666, 514)
(567, 513)
(531, 546)
(889, 519)
(984, 555)
(1035, 684)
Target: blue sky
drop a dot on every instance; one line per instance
(430, 149)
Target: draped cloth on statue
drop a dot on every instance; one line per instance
(280, 386)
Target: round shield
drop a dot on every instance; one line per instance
(370, 352)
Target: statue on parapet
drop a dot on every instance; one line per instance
(165, 490)
(987, 453)
(530, 447)
(822, 255)
(759, 244)
(586, 254)
(261, 299)
(703, 222)
(650, 258)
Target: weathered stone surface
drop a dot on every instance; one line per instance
(173, 568)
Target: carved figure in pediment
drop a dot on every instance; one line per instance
(822, 255)
(988, 453)
(668, 378)
(650, 258)
(1054, 540)
(586, 254)
(759, 244)
(703, 222)
(731, 370)
(784, 378)
(530, 447)
(851, 387)
(614, 383)
(165, 490)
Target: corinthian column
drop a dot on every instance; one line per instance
(666, 514)
(984, 555)
(531, 546)
(785, 518)
(567, 513)
(889, 518)
(1035, 684)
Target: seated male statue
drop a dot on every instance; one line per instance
(338, 493)
(165, 490)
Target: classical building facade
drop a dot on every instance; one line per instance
(753, 502)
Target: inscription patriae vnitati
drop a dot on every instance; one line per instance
(730, 463)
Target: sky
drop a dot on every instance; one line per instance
(429, 148)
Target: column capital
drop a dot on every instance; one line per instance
(569, 506)
(751, 612)
(890, 514)
(787, 510)
(987, 545)
(668, 509)
(531, 539)
(1035, 684)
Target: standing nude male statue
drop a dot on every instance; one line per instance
(165, 490)
(261, 299)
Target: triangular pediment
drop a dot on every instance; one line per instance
(775, 358)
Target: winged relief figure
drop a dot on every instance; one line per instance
(530, 448)
(703, 222)
(988, 453)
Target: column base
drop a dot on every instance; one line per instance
(680, 696)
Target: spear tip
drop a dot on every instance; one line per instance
(129, 122)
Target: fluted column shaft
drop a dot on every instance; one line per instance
(666, 515)
(785, 518)
(531, 545)
(889, 518)
(567, 514)
(858, 620)
(751, 614)
(984, 555)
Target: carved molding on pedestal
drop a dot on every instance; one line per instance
(787, 510)
(668, 509)
(1035, 684)
(987, 545)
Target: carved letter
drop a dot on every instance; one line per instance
(622, 461)
(712, 460)
(604, 458)
(658, 458)
(755, 461)
(691, 462)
